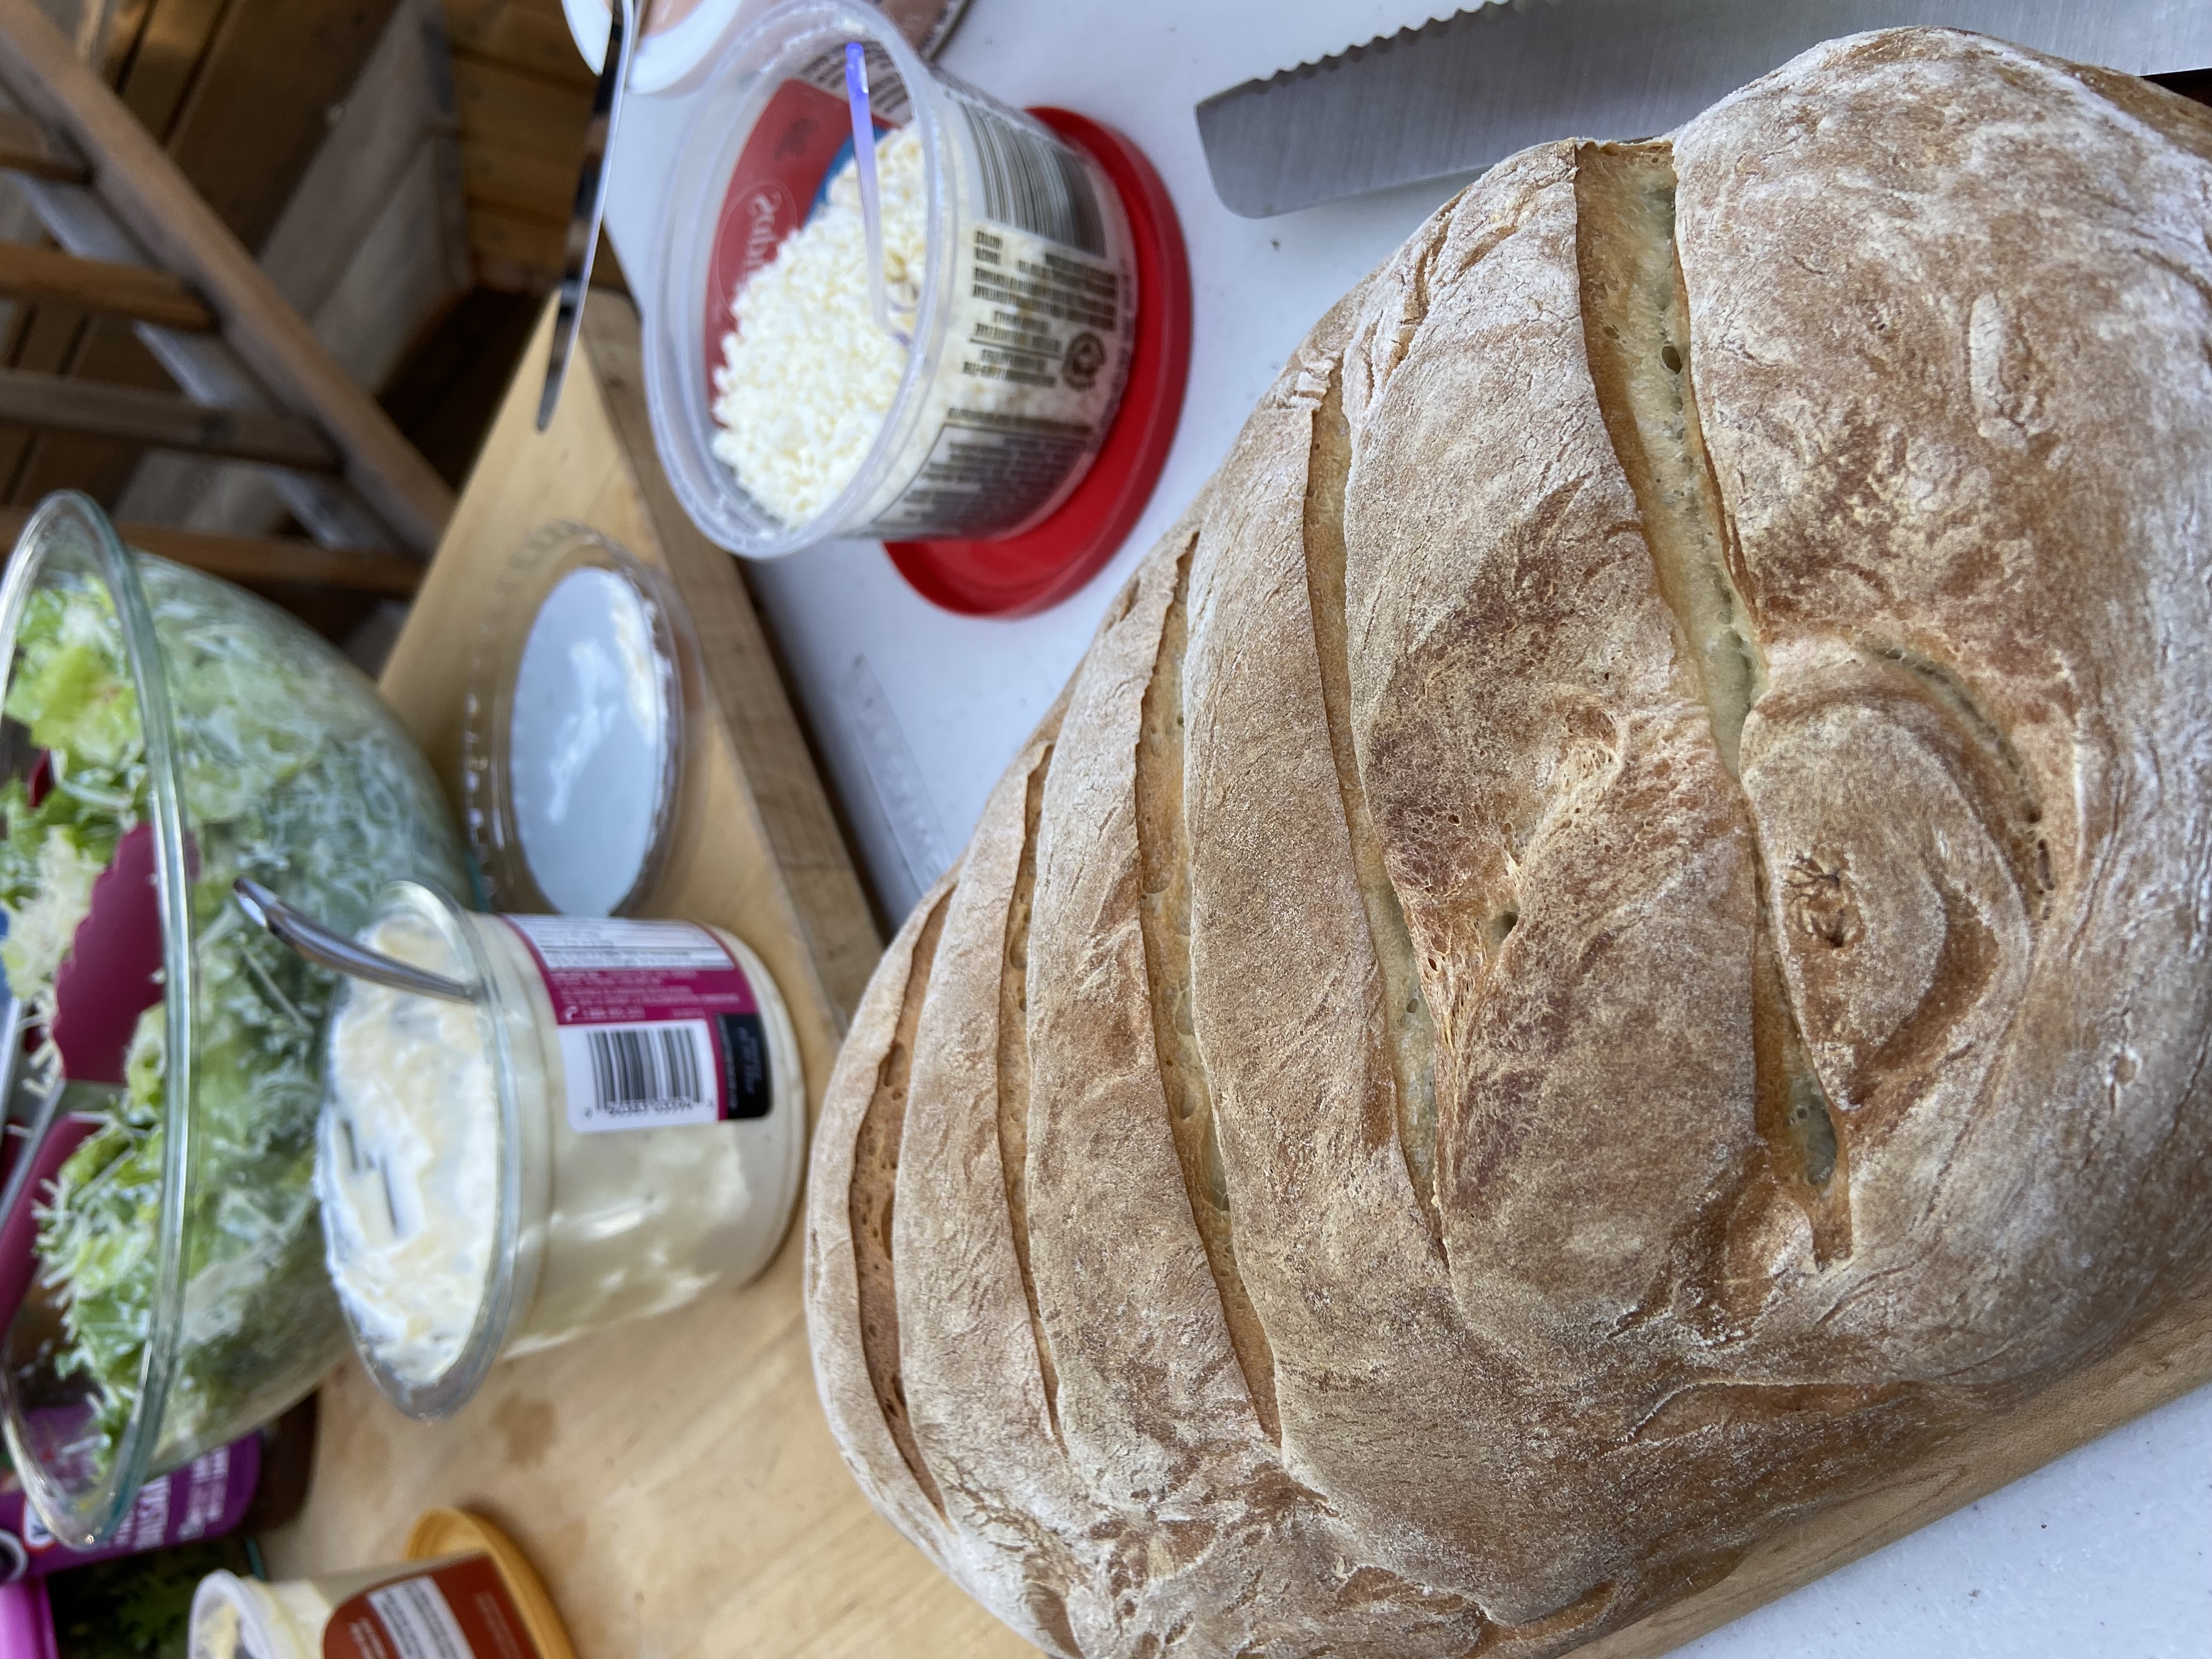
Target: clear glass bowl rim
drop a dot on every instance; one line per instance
(70, 526)
(434, 1399)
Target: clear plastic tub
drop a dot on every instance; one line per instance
(187, 733)
(612, 1124)
(573, 739)
(1023, 320)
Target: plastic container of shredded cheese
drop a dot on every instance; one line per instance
(783, 414)
(610, 1124)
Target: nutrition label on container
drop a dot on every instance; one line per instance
(1032, 303)
(453, 1610)
(1039, 339)
(659, 1025)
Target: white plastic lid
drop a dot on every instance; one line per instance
(575, 730)
(683, 38)
(587, 735)
(680, 37)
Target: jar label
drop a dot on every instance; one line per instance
(659, 1024)
(458, 1609)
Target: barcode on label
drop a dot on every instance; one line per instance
(647, 1067)
(1032, 183)
(641, 1076)
(420, 1622)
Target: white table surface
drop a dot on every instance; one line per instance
(917, 712)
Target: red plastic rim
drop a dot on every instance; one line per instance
(1020, 575)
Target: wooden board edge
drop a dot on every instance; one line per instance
(821, 889)
(2167, 1358)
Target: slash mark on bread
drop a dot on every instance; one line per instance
(1163, 868)
(1013, 1071)
(1636, 319)
(1409, 1029)
(1636, 314)
(875, 1175)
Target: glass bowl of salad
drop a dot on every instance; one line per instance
(162, 733)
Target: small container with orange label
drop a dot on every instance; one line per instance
(464, 1592)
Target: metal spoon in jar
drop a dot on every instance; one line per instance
(327, 948)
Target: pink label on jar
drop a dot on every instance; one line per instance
(659, 1024)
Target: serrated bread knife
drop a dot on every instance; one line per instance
(1455, 95)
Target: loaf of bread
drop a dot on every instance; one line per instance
(1614, 936)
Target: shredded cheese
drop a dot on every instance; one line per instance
(807, 377)
(41, 933)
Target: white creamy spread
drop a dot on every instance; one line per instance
(412, 1150)
(613, 1225)
(288, 1618)
(807, 377)
(218, 1633)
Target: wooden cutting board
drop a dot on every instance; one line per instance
(2168, 1358)
(673, 1479)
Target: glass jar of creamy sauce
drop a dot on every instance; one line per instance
(611, 1123)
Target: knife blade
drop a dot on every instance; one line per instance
(591, 204)
(1458, 94)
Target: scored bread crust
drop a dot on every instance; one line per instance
(1609, 940)
(861, 1417)
(2006, 720)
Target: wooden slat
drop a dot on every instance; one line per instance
(152, 77)
(125, 26)
(134, 291)
(522, 37)
(161, 420)
(263, 560)
(516, 110)
(158, 76)
(25, 148)
(264, 100)
(524, 182)
(144, 189)
(513, 253)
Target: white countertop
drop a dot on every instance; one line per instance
(917, 712)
